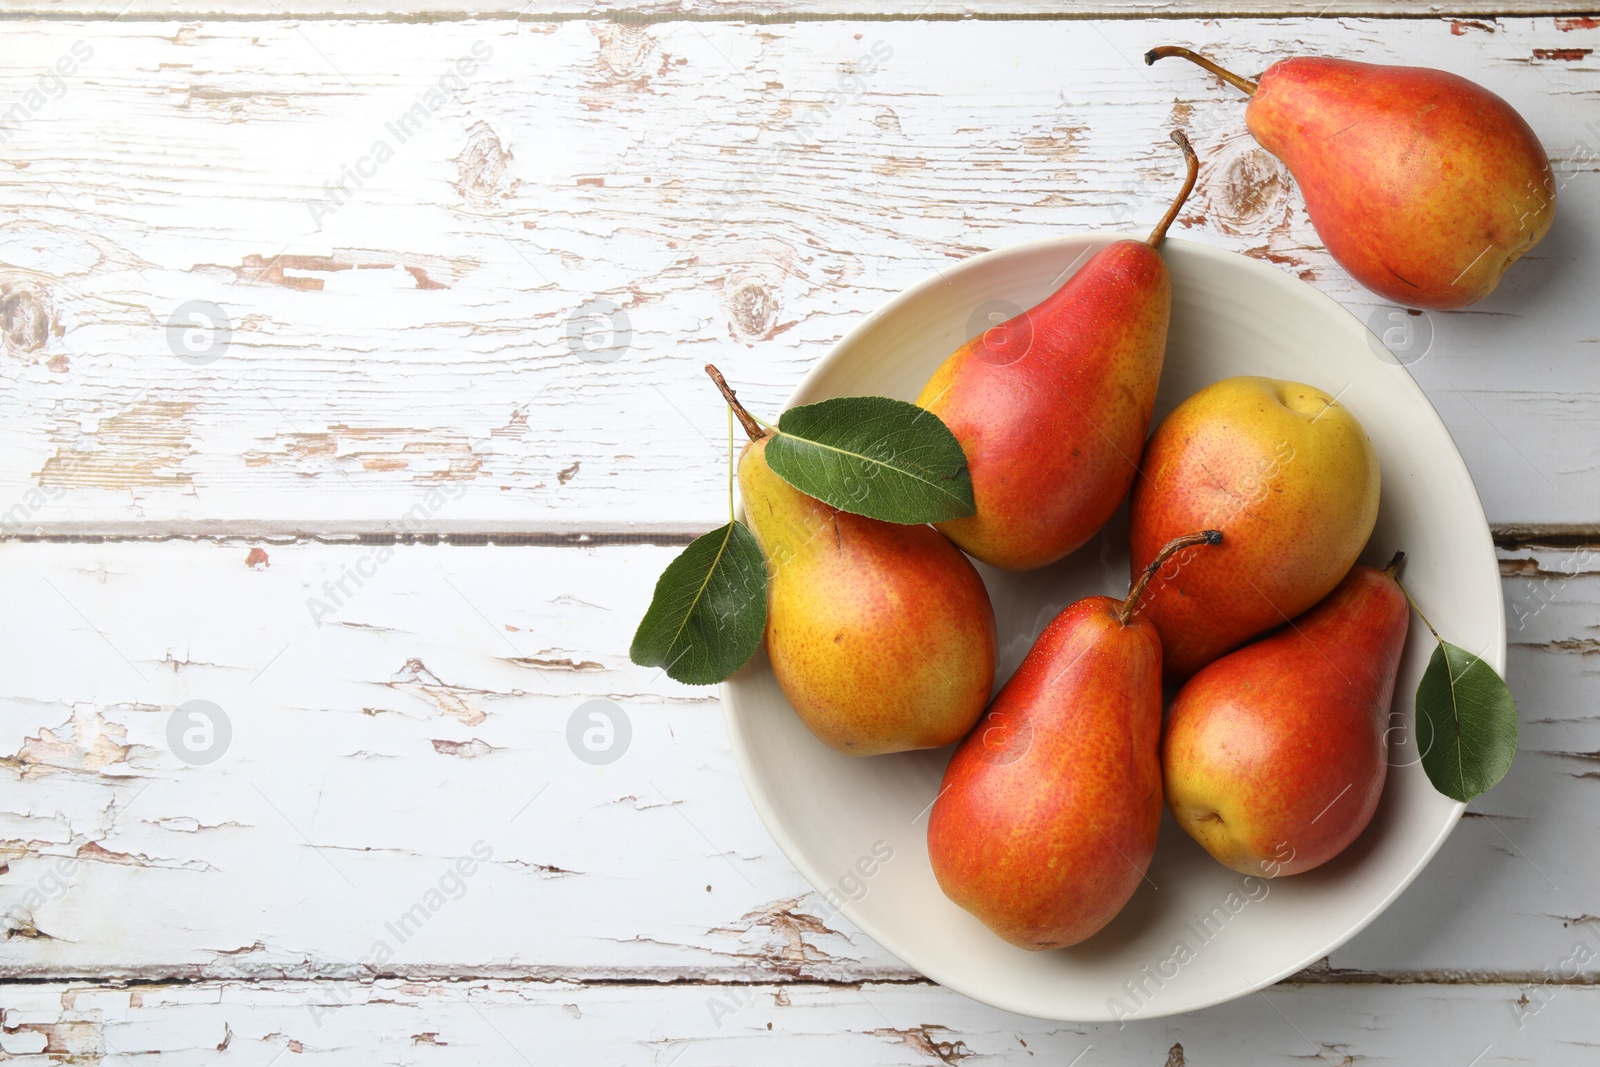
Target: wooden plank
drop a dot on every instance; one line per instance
(405, 353)
(418, 1023)
(426, 719)
(642, 11)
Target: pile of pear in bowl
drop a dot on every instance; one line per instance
(1084, 683)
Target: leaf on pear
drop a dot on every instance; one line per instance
(873, 456)
(709, 609)
(1466, 723)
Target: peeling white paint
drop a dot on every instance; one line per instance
(432, 333)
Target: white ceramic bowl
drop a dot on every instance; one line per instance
(1231, 315)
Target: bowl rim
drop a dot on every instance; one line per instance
(909, 954)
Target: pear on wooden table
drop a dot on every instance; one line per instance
(1423, 185)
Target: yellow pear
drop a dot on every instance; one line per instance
(1290, 478)
(880, 634)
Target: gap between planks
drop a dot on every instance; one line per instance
(663, 539)
(1508, 537)
(1317, 975)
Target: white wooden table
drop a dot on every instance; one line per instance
(395, 502)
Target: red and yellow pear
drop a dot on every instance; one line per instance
(881, 635)
(1423, 185)
(1047, 817)
(1052, 406)
(1274, 756)
(1287, 473)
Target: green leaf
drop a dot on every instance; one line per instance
(1466, 723)
(873, 456)
(709, 609)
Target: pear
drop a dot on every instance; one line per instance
(1047, 817)
(881, 635)
(1423, 185)
(1053, 405)
(1288, 474)
(1274, 757)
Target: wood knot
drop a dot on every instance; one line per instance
(482, 167)
(627, 55)
(1247, 192)
(752, 308)
(27, 315)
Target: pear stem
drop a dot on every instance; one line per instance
(1244, 85)
(1172, 547)
(751, 426)
(1159, 234)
